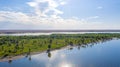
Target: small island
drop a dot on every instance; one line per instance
(20, 45)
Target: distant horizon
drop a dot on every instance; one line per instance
(50, 31)
(59, 29)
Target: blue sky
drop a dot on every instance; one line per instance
(60, 14)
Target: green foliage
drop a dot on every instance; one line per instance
(16, 45)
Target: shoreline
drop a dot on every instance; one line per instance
(12, 58)
(40, 45)
(6, 59)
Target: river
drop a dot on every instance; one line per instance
(106, 54)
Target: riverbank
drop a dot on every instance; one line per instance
(12, 58)
(21, 45)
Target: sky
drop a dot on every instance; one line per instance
(59, 14)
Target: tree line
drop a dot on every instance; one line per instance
(16, 45)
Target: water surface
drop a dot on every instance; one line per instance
(48, 33)
(105, 54)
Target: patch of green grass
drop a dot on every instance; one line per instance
(16, 45)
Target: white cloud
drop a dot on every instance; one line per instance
(53, 23)
(15, 17)
(93, 17)
(99, 7)
(49, 5)
(32, 4)
(47, 17)
(63, 3)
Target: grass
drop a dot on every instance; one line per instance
(17, 45)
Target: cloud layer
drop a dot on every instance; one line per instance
(47, 16)
(47, 8)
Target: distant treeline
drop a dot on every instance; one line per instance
(17, 45)
(50, 31)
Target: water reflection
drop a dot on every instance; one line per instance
(78, 47)
(49, 48)
(10, 61)
(30, 58)
(66, 65)
(88, 55)
(49, 55)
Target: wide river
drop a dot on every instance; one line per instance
(49, 33)
(106, 54)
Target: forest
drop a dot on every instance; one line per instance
(18, 45)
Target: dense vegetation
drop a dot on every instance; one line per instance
(16, 45)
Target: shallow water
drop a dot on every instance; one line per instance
(105, 54)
